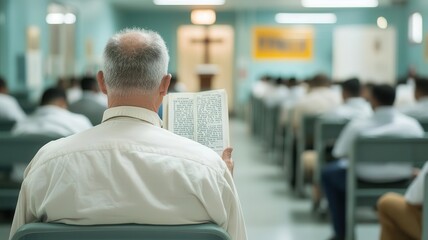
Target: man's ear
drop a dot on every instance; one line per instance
(101, 82)
(163, 88)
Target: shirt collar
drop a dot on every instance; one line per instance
(356, 101)
(133, 112)
(384, 112)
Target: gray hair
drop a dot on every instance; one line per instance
(135, 60)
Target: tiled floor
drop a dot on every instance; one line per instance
(271, 210)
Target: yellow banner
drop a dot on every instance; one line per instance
(283, 43)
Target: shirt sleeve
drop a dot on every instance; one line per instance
(415, 193)
(235, 225)
(23, 214)
(18, 113)
(345, 141)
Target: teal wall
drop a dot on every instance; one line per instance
(322, 60)
(98, 20)
(3, 46)
(416, 52)
(20, 15)
(166, 23)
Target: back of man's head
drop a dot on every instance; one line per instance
(54, 96)
(351, 88)
(136, 60)
(89, 83)
(382, 95)
(320, 80)
(3, 85)
(292, 82)
(421, 89)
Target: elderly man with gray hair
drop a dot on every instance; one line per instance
(128, 169)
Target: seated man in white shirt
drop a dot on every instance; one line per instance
(320, 99)
(128, 169)
(401, 216)
(420, 109)
(354, 105)
(73, 91)
(9, 107)
(92, 104)
(386, 121)
(52, 118)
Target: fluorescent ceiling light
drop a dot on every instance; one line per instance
(203, 17)
(55, 18)
(189, 2)
(340, 3)
(60, 18)
(306, 18)
(416, 28)
(69, 18)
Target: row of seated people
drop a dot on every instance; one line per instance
(384, 120)
(55, 114)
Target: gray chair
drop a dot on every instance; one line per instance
(52, 231)
(425, 211)
(16, 150)
(326, 133)
(305, 141)
(383, 150)
(288, 147)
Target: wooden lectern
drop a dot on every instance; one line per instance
(206, 73)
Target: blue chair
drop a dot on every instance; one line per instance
(55, 231)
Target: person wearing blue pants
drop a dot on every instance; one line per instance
(386, 121)
(333, 178)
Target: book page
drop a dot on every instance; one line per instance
(212, 120)
(181, 114)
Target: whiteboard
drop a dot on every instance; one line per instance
(366, 52)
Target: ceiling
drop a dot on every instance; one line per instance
(229, 5)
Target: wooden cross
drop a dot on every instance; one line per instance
(206, 41)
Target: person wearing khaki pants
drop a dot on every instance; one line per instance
(401, 216)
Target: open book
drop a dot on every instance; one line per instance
(202, 117)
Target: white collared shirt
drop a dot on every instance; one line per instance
(418, 110)
(416, 191)
(385, 121)
(129, 170)
(52, 121)
(353, 108)
(10, 109)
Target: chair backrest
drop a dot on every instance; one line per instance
(379, 150)
(53, 231)
(6, 125)
(305, 140)
(307, 130)
(20, 149)
(425, 210)
(424, 123)
(326, 132)
(390, 149)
